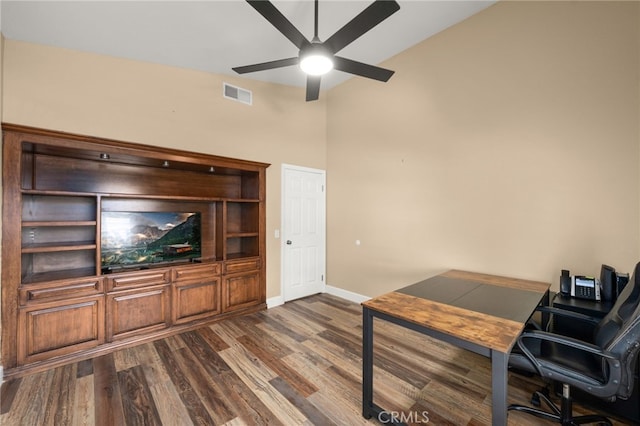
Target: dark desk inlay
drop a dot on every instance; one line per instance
(440, 289)
(502, 302)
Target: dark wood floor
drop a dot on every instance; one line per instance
(296, 364)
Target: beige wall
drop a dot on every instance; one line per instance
(139, 102)
(1, 60)
(1, 98)
(506, 144)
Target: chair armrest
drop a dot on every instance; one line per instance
(567, 373)
(568, 314)
(591, 321)
(567, 341)
(607, 356)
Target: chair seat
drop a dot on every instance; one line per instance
(567, 360)
(583, 373)
(582, 368)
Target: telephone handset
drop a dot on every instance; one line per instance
(565, 283)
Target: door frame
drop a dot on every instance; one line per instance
(323, 173)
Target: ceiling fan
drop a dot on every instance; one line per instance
(316, 57)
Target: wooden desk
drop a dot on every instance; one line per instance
(481, 313)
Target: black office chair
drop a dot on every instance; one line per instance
(603, 368)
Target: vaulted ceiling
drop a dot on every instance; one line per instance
(216, 35)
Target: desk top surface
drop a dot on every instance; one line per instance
(484, 309)
(587, 307)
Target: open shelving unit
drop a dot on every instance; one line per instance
(58, 237)
(242, 235)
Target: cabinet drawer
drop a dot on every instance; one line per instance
(196, 272)
(60, 290)
(135, 279)
(241, 265)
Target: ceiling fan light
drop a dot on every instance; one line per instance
(316, 64)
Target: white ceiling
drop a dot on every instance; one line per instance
(215, 35)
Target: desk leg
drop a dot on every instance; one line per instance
(367, 363)
(499, 385)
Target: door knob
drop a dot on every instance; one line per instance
(288, 242)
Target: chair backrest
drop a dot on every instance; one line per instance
(619, 331)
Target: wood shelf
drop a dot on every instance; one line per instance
(58, 193)
(45, 223)
(56, 247)
(58, 275)
(241, 255)
(242, 234)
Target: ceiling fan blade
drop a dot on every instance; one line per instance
(363, 70)
(267, 65)
(313, 87)
(377, 12)
(278, 20)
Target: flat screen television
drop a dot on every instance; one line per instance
(140, 239)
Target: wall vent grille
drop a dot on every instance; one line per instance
(237, 94)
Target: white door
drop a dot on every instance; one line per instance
(303, 231)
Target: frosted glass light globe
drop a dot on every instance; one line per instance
(316, 64)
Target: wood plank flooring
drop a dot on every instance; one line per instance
(296, 364)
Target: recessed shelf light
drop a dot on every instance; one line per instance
(104, 156)
(212, 169)
(165, 163)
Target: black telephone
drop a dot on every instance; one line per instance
(585, 287)
(579, 286)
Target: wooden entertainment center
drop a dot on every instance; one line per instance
(60, 304)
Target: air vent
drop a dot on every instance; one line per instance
(236, 93)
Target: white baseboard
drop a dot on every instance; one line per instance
(272, 302)
(346, 294)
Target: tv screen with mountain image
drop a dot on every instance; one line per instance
(136, 239)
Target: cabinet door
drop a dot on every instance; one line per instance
(241, 291)
(59, 328)
(138, 311)
(194, 300)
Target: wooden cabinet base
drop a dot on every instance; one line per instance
(53, 362)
